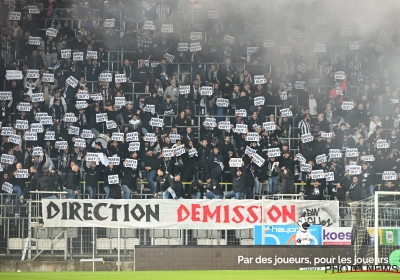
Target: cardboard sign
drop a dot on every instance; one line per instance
(30, 136)
(320, 48)
(8, 159)
(156, 122)
(335, 153)
(321, 159)
(70, 118)
(37, 127)
(101, 117)
(260, 80)
(196, 36)
(351, 152)
(37, 151)
(77, 56)
(296, 33)
(151, 108)
(274, 152)
(302, 68)
(66, 53)
(32, 74)
(145, 5)
(167, 28)
(120, 101)
(174, 137)
(7, 131)
(5, 95)
(355, 169)
(347, 31)
(354, 45)
(210, 122)
(120, 78)
(299, 85)
(113, 179)
(183, 47)
(15, 16)
(305, 167)
(92, 157)
(347, 105)
(258, 160)
(82, 94)
(134, 146)
(241, 128)
(286, 49)
(251, 50)
(193, 152)
(169, 57)
(111, 124)
(368, 158)
(106, 77)
(340, 75)
(87, 134)
(208, 91)
(330, 176)
(114, 160)
(184, 89)
(47, 120)
(382, 144)
(252, 137)
(34, 10)
(16, 139)
(21, 124)
(72, 81)
(229, 40)
(339, 91)
(149, 25)
(96, 97)
(179, 150)
(50, 136)
(37, 97)
(317, 174)
(81, 105)
(270, 126)
(91, 54)
(269, 43)
(222, 102)
(73, 130)
(389, 175)
(259, 101)
(213, 14)
(195, 47)
(300, 158)
(226, 125)
(241, 113)
(250, 151)
(48, 78)
(150, 137)
(51, 32)
(62, 145)
(110, 22)
(235, 162)
(286, 113)
(79, 142)
(117, 136)
(7, 187)
(13, 75)
(132, 136)
(130, 163)
(326, 135)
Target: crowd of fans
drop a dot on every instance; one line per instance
(332, 102)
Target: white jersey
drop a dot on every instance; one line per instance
(303, 238)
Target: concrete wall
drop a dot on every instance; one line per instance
(13, 266)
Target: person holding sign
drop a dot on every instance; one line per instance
(238, 183)
(112, 189)
(73, 182)
(151, 165)
(93, 175)
(391, 207)
(18, 187)
(314, 190)
(339, 84)
(287, 179)
(355, 191)
(130, 176)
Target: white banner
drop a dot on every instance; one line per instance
(208, 91)
(347, 105)
(34, 41)
(101, 117)
(48, 78)
(77, 56)
(5, 95)
(222, 102)
(13, 75)
(32, 74)
(259, 80)
(190, 214)
(389, 175)
(134, 146)
(66, 53)
(130, 163)
(51, 32)
(259, 101)
(106, 77)
(286, 113)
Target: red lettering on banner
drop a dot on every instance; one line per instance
(238, 214)
(274, 213)
(226, 214)
(180, 210)
(208, 214)
(252, 214)
(195, 213)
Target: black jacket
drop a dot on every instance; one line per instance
(217, 190)
(130, 177)
(314, 193)
(152, 162)
(163, 183)
(73, 180)
(355, 191)
(92, 175)
(178, 188)
(339, 193)
(287, 181)
(34, 181)
(238, 183)
(46, 183)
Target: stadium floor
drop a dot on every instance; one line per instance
(197, 275)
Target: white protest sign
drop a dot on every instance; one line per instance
(321, 159)
(51, 32)
(335, 153)
(296, 33)
(169, 57)
(81, 105)
(354, 45)
(101, 117)
(302, 68)
(347, 105)
(299, 84)
(251, 50)
(210, 122)
(16, 139)
(73, 130)
(130, 163)
(149, 25)
(241, 128)
(269, 126)
(368, 158)
(50, 136)
(14, 75)
(48, 78)
(72, 81)
(259, 80)
(229, 40)
(21, 124)
(91, 54)
(151, 108)
(47, 120)
(110, 22)
(286, 49)
(62, 145)
(132, 136)
(34, 10)
(120, 101)
(117, 136)
(87, 134)
(196, 36)
(305, 167)
(258, 160)
(339, 91)
(347, 31)
(274, 152)
(250, 151)
(79, 142)
(389, 175)
(226, 125)
(183, 47)
(145, 5)
(37, 97)
(37, 151)
(106, 77)
(208, 91)
(382, 144)
(156, 122)
(134, 146)
(92, 157)
(7, 131)
(222, 102)
(340, 75)
(120, 78)
(37, 127)
(167, 28)
(259, 101)
(283, 95)
(184, 89)
(30, 136)
(351, 152)
(32, 74)
(355, 169)
(241, 113)
(70, 118)
(8, 159)
(179, 150)
(96, 96)
(286, 113)
(82, 94)
(21, 173)
(300, 158)
(150, 137)
(111, 124)
(252, 137)
(113, 179)
(5, 95)
(326, 134)
(174, 137)
(317, 174)
(15, 16)
(66, 53)
(320, 48)
(330, 176)
(235, 162)
(193, 152)
(213, 14)
(7, 187)
(114, 160)
(77, 56)
(195, 47)
(269, 43)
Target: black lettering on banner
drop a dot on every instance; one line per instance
(155, 214)
(73, 210)
(96, 212)
(141, 212)
(114, 209)
(64, 211)
(51, 206)
(86, 211)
